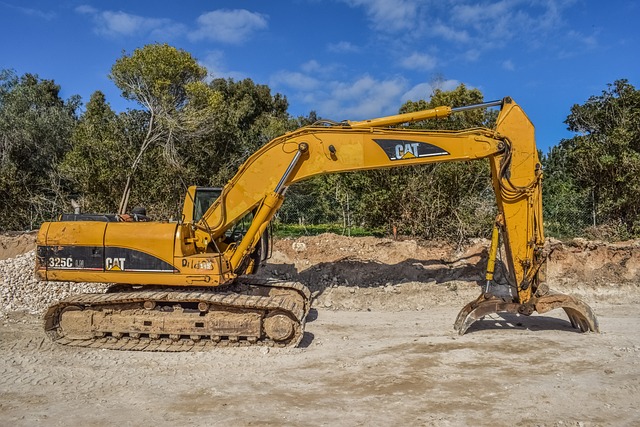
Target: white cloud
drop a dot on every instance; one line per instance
(295, 80)
(508, 65)
(85, 8)
(425, 90)
(47, 16)
(483, 25)
(419, 61)
(447, 85)
(419, 91)
(577, 44)
(467, 28)
(449, 33)
(471, 55)
(366, 97)
(228, 26)
(389, 15)
(588, 42)
(363, 97)
(311, 66)
(360, 98)
(552, 16)
(215, 63)
(118, 24)
(342, 47)
(477, 13)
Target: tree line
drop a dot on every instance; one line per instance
(56, 155)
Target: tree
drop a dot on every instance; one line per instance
(97, 164)
(248, 116)
(602, 170)
(35, 131)
(163, 80)
(566, 206)
(219, 126)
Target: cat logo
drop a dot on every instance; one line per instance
(402, 149)
(114, 264)
(407, 151)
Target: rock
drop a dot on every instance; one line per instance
(299, 246)
(21, 291)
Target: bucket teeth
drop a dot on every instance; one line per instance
(580, 314)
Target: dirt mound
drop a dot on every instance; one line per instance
(369, 273)
(595, 270)
(373, 273)
(14, 244)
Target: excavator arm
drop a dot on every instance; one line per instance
(262, 180)
(516, 176)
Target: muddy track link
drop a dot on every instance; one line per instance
(249, 312)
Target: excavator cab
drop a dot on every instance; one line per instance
(196, 204)
(197, 201)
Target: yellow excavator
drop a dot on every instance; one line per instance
(187, 285)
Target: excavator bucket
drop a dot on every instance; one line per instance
(580, 314)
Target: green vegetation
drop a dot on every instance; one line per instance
(294, 230)
(592, 181)
(35, 134)
(188, 130)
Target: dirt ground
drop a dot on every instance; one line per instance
(379, 349)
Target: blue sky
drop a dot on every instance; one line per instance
(345, 59)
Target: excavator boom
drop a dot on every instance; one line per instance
(190, 271)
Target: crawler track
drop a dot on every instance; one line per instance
(249, 312)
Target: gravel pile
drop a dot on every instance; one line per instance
(20, 291)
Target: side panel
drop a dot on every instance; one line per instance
(74, 245)
(143, 253)
(103, 251)
(140, 247)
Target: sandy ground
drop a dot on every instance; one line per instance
(379, 349)
(354, 368)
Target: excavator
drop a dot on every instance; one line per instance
(188, 284)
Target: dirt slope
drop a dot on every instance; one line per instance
(371, 273)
